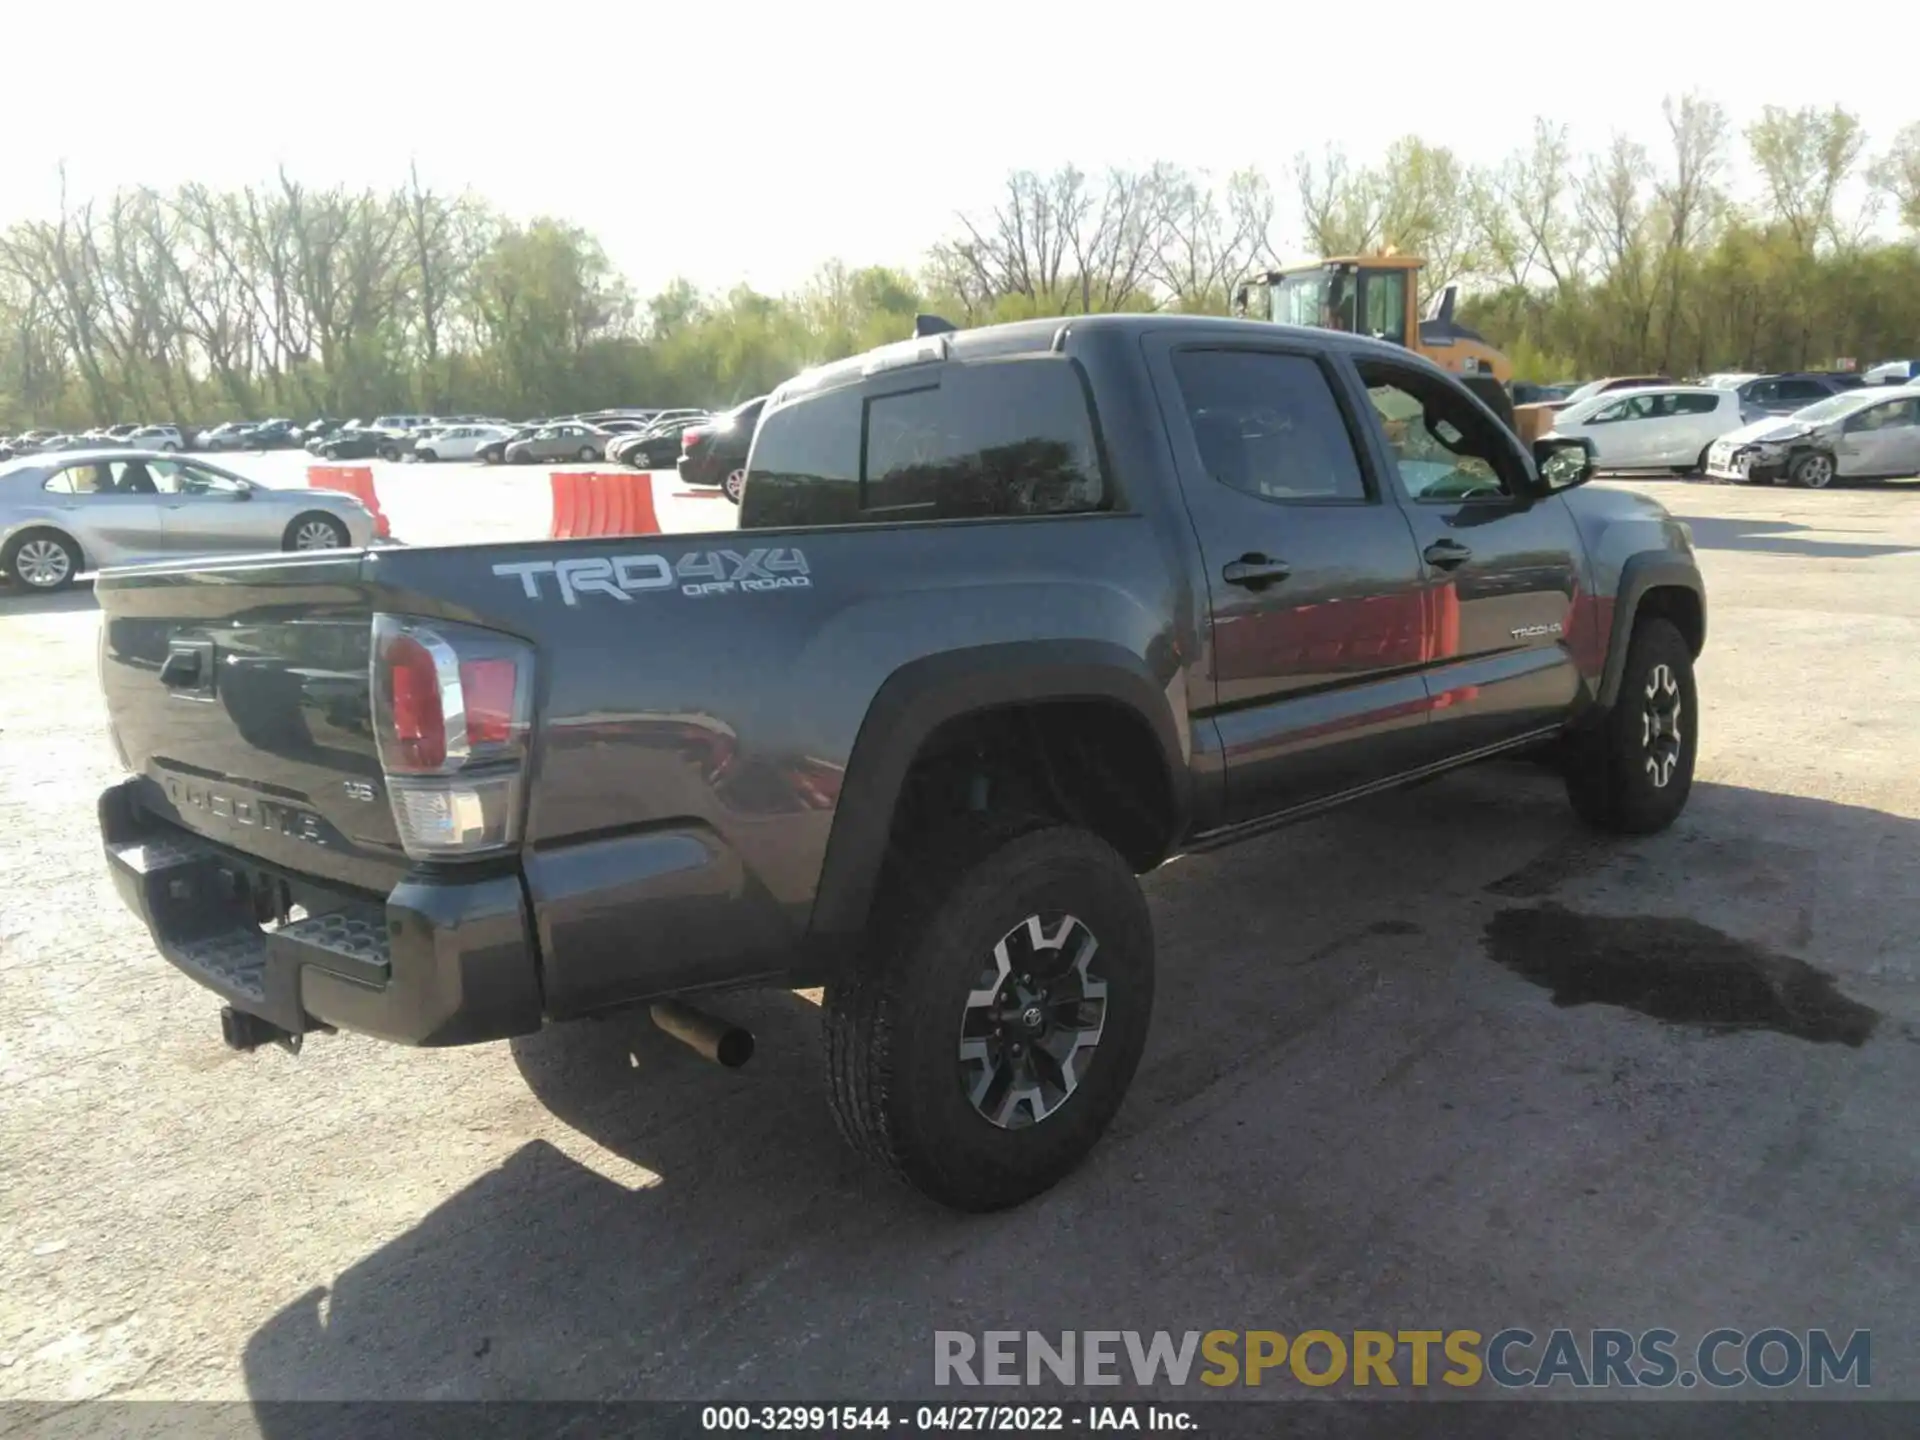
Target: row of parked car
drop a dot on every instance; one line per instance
(1805, 429)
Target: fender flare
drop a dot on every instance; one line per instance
(924, 694)
(1650, 570)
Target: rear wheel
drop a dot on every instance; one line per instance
(426, 456)
(41, 561)
(1632, 772)
(587, 452)
(1813, 470)
(735, 485)
(989, 1032)
(314, 531)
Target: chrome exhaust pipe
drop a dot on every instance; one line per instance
(720, 1041)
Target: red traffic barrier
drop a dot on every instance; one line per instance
(354, 480)
(588, 503)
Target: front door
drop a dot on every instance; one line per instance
(1318, 634)
(1503, 563)
(205, 512)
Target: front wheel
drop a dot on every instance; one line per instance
(315, 532)
(169, 447)
(41, 561)
(1631, 773)
(425, 457)
(988, 1034)
(1813, 470)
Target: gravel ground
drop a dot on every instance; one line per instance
(1403, 1074)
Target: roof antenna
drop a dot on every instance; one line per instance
(925, 325)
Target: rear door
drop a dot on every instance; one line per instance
(114, 526)
(1502, 563)
(1698, 420)
(1318, 633)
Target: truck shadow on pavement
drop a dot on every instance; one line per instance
(1351, 1103)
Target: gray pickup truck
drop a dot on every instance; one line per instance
(1012, 616)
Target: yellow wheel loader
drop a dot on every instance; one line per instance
(1378, 295)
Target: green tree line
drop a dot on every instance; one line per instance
(1789, 244)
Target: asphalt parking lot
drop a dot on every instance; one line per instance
(1361, 1106)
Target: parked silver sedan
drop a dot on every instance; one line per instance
(64, 513)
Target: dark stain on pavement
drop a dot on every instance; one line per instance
(1676, 970)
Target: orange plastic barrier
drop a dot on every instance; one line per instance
(354, 480)
(588, 503)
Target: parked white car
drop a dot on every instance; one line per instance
(457, 442)
(1864, 434)
(156, 437)
(1655, 427)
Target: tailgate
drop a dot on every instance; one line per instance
(239, 695)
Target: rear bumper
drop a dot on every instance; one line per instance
(437, 963)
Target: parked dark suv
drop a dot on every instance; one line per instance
(1784, 394)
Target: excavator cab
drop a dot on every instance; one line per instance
(1373, 296)
(1378, 296)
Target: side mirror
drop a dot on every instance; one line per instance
(1562, 464)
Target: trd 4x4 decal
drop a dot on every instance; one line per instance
(698, 573)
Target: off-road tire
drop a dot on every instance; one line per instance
(1611, 768)
(893, 1024)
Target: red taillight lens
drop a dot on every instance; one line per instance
(489, 687)
(419, 724)
(690, 438)
(452, 720)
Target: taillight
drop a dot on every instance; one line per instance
(691, 438)
(452, 712)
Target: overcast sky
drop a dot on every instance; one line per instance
(838, 127)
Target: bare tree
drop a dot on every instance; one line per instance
(1805, 158)
(1897, 175)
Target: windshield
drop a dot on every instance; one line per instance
(1317, 298)
(1832, 408)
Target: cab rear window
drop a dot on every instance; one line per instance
(960, 441)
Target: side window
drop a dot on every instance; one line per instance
(1608, 414)
(1696, 404)
(175, 477)
(1387, 305)
(805, 465)
(1803, 392)
(992, 438)
(1269, 425)
(92, 479)
(1441, 448)
(1762, 392)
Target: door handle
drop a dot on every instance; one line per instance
(1255, 571)
(1446, 554)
